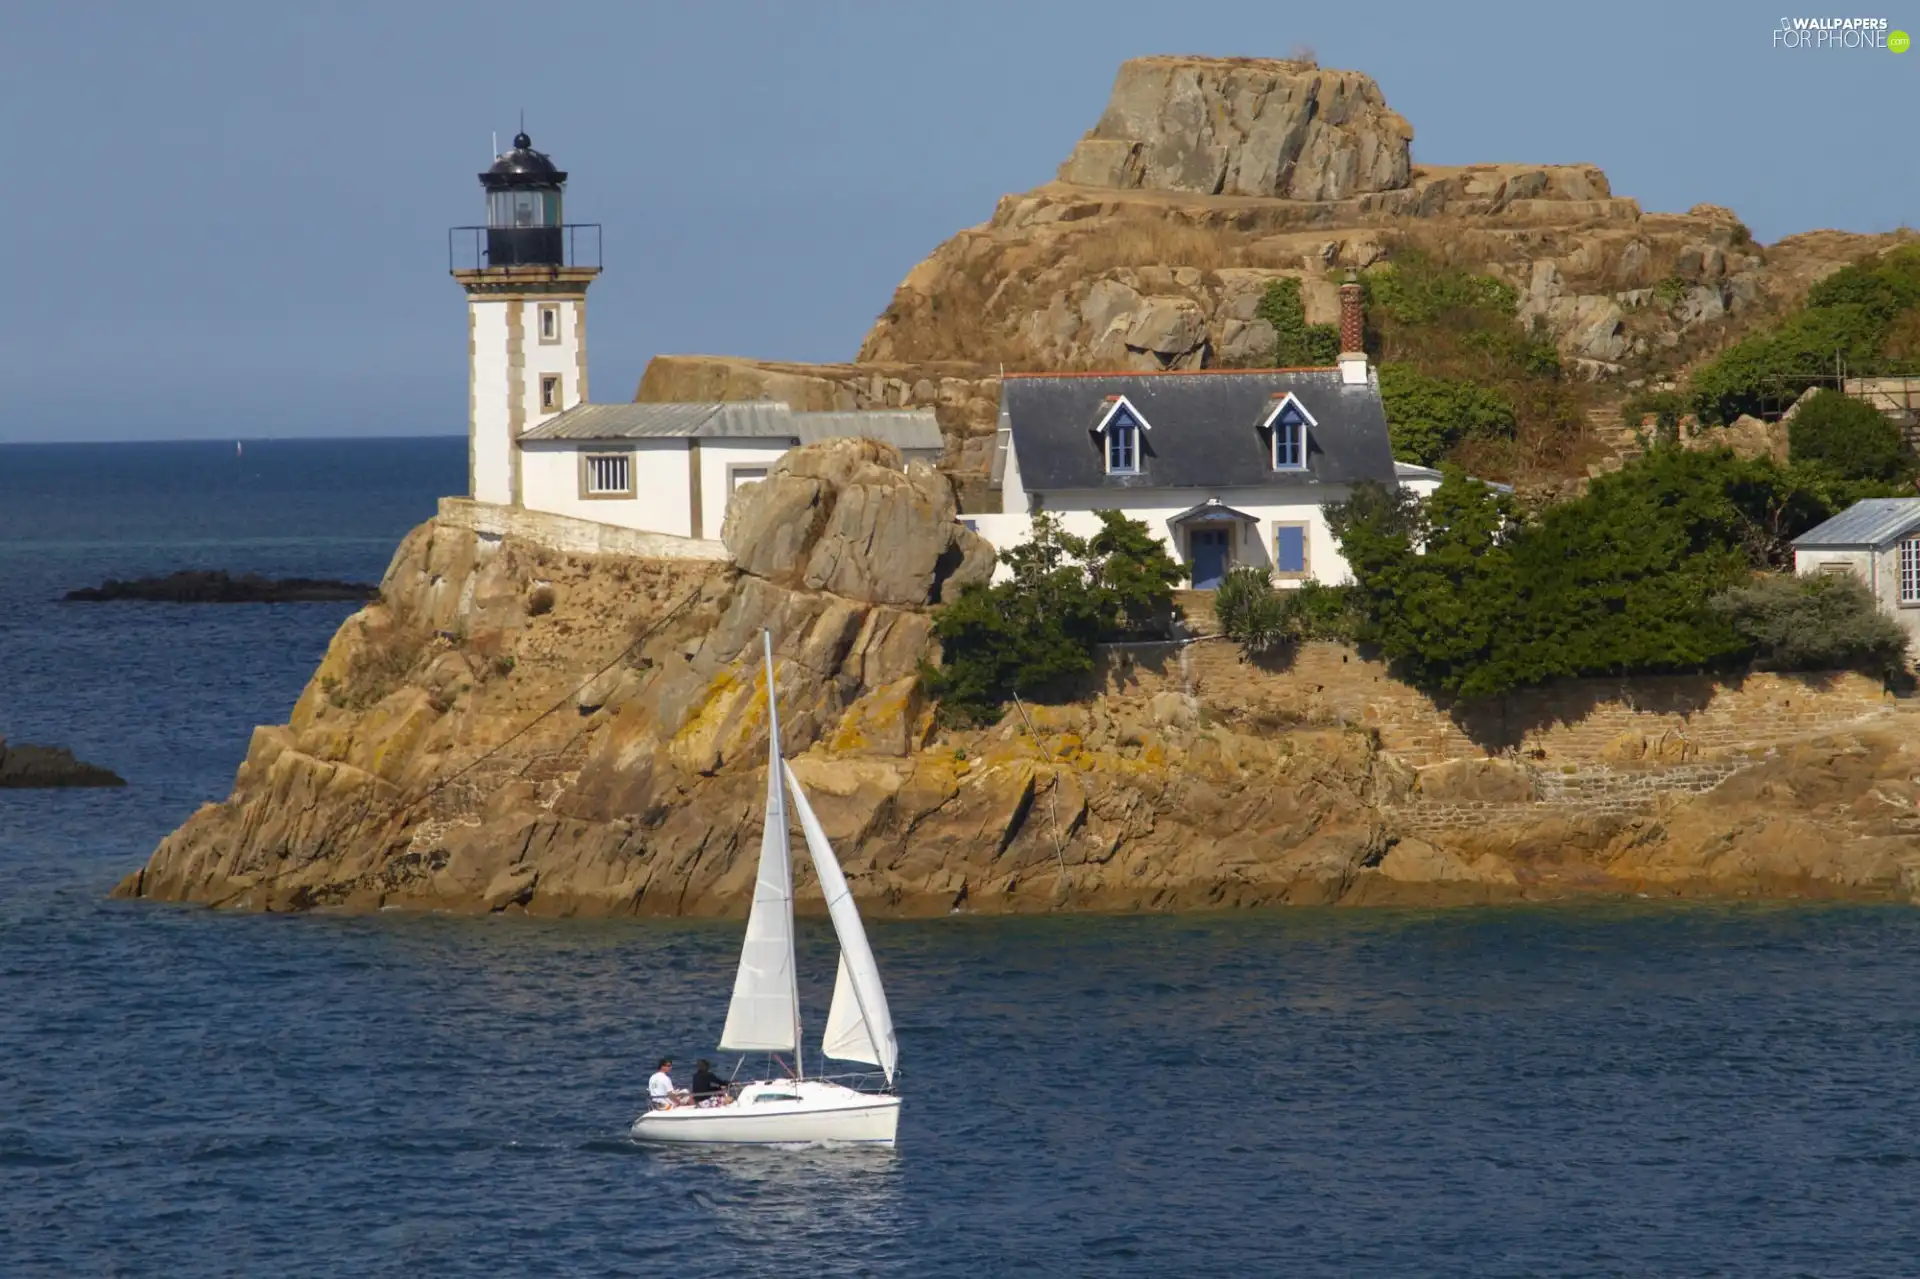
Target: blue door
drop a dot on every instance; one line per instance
(1209, 546)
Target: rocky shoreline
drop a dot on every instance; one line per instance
(463, 747)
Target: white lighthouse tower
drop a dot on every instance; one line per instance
(526, 284)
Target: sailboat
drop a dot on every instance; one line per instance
(765, 1013)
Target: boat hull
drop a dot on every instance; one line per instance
(779, 1114)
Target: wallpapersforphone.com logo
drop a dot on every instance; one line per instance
(1839, 33)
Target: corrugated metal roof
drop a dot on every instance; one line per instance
(735, 419)
(909, 430)
(905, 429)
(1877, 521)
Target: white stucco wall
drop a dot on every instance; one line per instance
(1880, 570)
(491, 447)
(1250, 544)
(560, 358)
(717, 456)
(661, 501)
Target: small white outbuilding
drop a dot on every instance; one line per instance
(1877, 541)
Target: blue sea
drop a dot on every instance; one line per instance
(1582, 1091)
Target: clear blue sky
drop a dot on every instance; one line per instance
(228, 220)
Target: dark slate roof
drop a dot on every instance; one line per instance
(1203, 429)
(1875, 522)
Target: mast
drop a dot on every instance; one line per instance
(776, 762)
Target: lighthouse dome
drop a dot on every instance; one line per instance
(522, 167)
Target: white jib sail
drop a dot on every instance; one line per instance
(859, 1023)
(765, 1013)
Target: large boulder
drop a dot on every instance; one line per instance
(1244, 126)
(846, 517)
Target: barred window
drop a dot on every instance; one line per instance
(1910, 571)
(609, 474)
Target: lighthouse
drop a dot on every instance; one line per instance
(526, 273)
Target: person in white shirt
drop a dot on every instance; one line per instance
(660, 1089)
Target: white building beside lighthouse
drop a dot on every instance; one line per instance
(536, 442)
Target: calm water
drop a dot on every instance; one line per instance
(1591, 1092)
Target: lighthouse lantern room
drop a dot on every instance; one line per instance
(526, 280)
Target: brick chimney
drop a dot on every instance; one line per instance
(1353, 334)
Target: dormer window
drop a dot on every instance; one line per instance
(1287, 423)
(1123, 448)
(1119, 427)
(1289, 446)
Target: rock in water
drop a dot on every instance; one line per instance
(1244, 126)
(36, 766)
(200, 586)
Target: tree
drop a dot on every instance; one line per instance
(1135, 573)
(1030, 634)
(1850, 437)
(1466, 598)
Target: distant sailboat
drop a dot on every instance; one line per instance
(765, 1013)
(237, 450)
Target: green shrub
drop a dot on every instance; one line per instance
(1814, 624)
(1251, 612)
(1328, 612)
(1461, 374)
(1851, 317)
(1416, 290)
(1850, 437)
(1428, 416)
(1032, 633)
(1296, 344)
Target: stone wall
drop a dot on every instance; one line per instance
(1595, 792)
(1643, 722)
(573, 536)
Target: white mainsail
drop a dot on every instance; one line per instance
(765, 1013)
(859, 1024)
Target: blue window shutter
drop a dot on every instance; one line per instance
(1290, 549)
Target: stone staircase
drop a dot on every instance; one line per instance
(1197, 606)
(1621, 442)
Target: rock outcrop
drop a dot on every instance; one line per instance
(216, 586)
(1204, 180)
(515, 728)
(31, 767)
(1244, 126)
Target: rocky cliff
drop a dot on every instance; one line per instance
(513, 727)
(1205, 179)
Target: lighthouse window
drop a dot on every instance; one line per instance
(523, 208)
(606, 475)
(550, 392)
(549, 322)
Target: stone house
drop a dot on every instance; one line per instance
(1225, 467)
(1877, 541)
